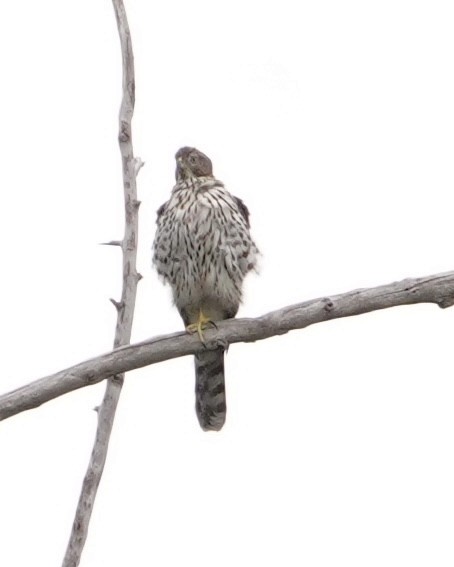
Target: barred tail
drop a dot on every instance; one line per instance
(210, 403)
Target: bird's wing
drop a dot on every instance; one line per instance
(243, 210)
(161, 210)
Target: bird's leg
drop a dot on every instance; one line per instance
(202, 324)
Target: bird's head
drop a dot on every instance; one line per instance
(192, 163)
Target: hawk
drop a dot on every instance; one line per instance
(203, 249)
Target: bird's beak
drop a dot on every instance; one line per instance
(180, 164)
(180, 168)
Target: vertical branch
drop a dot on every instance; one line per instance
(125, 307)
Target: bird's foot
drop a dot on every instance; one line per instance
(202, 324)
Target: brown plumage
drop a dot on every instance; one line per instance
(203, 249)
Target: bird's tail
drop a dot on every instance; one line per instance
(210, 403)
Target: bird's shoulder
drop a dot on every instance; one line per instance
(218, 186)
(189, 190)
(243, 210)
(162, 209)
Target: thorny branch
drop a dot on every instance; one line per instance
(438, 289)
(124, 307)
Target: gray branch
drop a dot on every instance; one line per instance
(438, 289)
(124, 307)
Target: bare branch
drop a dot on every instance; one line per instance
(117, 304)
(438, 289)
(138, 164)
(112, 243)
(125, 307)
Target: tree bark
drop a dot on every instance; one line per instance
(124, 307)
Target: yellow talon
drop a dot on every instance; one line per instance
(202, 324)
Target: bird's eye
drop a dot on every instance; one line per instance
(192, 159)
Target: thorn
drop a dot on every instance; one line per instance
(136, 204)
(112, 243)
(139, 276)
(118, 304)
(96, 409)
(138, 164)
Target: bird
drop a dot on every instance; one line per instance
(203, 248)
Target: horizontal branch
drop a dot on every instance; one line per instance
(438, 289)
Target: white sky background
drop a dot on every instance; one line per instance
(334, 122)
